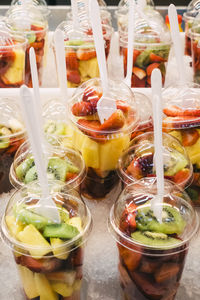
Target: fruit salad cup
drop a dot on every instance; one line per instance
(151, 50)
(182, 120)
(144, 106)
(12, 135)
(152, 254)
(12, 59)
(49, 256)
(66, 165)
(101, 144)
(28, 21)
(138, 161)
(80, 52)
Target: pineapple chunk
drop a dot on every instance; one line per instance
(28, 282)
(193, 152)
(61, 252)
(14, 226)
(76, 222)
(62, 288)
(89, 68)
(77, 285)
(32, 237)
(15, 73)
(44, 288)
(111, 151)
(90, 152)
(176, 134)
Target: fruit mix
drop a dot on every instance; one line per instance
(12, 64)
(151, 274)
(49, 265)
(11, 137)
(37, 38)
(100, 144)
(188, 25)
(146, 58)
(184, 124)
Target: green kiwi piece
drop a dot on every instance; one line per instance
(172, 221)
(60, 167)
(176, 163)
(31, 175)
(62, 231)
(155, 239)
(23, 168)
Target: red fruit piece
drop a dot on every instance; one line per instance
(181, 176)
(45, 265)
(92, 96)
(134, 169)
(130, 258)
(91, 128)
(189, 137)
(136, 82)
(73, 76)
(114, 122)
(166, 272)
(36, 28)
(180, 122)
(175, 111)
(71, 60)
(123, 106)
(82, 109)
(156, 58)
(85, 55)
(140, 73)
(151, 67)
(70, 176)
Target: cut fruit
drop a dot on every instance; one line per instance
(71, 60)
(73, 76)
(15, 73)
(175, 111)
(193, 152)
(44, 265)
(62, 289)
(62, 231)
(89, 68)
(174, 163)
(140, 73)
(130, 258)
(65, 277)
(151, 67)
(60, 168)
(189, 137)
(28, 282)
(59, 248)
(143, 59)
(76, 222)
(31, 175)
(44, 288)
(90, 151)
(32, 237)
(82, 109)
(14, 226)
(167, 272)
(156, 58)
(114, 122)
(23, 168)
(85, 55)
(155, 239)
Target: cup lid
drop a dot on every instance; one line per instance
(181, 106)
(41, 4)
(145, 111)
(192, 10)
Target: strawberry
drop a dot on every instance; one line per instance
(115, 121)
(136, 82)
(92, 96)
(71, 60)
(181, 176)
(85, 55)
(156, 58)
(36, 28)
(151, 67)
(82, 109)
(181, 122)
(123, 106)
(136, 53)
(189, 137)
(140, 73)
(175, 111)
(73, 76)
(134, 169)
(70, 176)
(91, 128)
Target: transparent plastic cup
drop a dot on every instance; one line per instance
(101, 144)
(80, 52)
(49, 265)
(182, 120)
(151, 262)
(152, 45)
(12, 59)
(40, 4)
(138, 161)
(27, 20)
(194, 34)
(145, 114)
(66, 165)
(12, 135)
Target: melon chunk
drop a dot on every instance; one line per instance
(28, 282)
(44, 288)
(62, 252)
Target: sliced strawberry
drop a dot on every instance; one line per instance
(131, 207)
(156, 58)
(85, 55)
(70, 176)
(175, 111)
(91, 128)
(115, 121)
(92, 96)
(71, 60)
(140, 73)
(134, 169)
(181, 176)
(189, 137)
(36, 28)
(136, 82)
(181, 122)
(123, 106)
(151, 67)
(136, 53)
(82, 109)
(73, 76)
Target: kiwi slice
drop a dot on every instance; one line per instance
(31, 175)
(157, 239)
(23, 168)
(176, 163)
(60, 167)
(62, 231)
(172, 221)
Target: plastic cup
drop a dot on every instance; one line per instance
(194, 34)
(145, 115)
(27, 20)
(12, 135)
(137, 162)
(40, 4)
(151, 262)
(66, 165)
(182, 120)
(12, 59)
(50, 267)
(151, 50)
(83, 15)
(101, 145)
(80, 52)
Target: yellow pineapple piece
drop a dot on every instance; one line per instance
(77, 285)
(44, 287)
(177, 134)
(89, 68)
(193, 152)
(28, 282)
(62, 288)
(32, 237)
(76, 222)
(61, 252)
(14, 226)
(111, 151)
(90, 152)
(15, 73)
